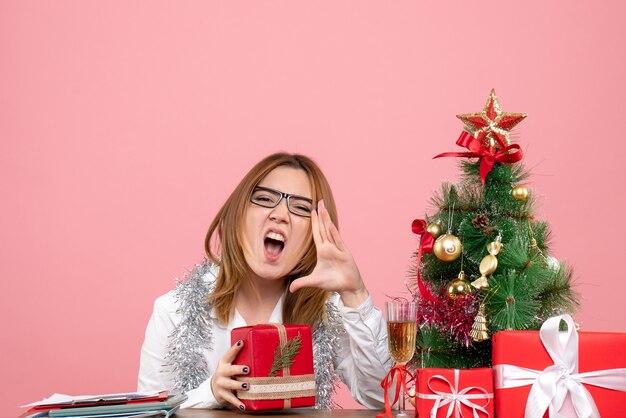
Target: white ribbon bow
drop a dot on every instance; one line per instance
(551, 386)
(455, 398)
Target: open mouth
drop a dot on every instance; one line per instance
(274, 243)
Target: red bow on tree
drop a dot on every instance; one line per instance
(488, 156)
(426, 246)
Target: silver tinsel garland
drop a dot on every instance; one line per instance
(194, 333)
(195, 330)
(325, 339)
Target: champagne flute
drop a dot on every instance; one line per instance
(401, 330)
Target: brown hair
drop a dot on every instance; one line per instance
(223, 243)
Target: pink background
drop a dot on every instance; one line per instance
(125, 125)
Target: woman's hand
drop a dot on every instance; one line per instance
(335, 269)
(222, 382)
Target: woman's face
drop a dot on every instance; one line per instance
(275, 239)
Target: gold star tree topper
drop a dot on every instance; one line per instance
(492, 125)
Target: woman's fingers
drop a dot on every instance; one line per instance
(225, 393)
(231, 384)
(300, 282)
(334, 233)
(323, 225)
(225, 366)
(222, 382)
(223, 390)
(230, 370)
(232, 352)
(234, 401)
(321, 209)
(315, 228)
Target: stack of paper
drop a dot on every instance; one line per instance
(118, 405)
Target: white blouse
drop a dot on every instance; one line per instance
(362, 360)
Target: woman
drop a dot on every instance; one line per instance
(273, 256)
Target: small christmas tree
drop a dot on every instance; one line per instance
(483, 263)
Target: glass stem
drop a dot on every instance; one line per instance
(401, 402)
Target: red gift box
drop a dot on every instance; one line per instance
(454, 393)
(280, 359)
(573, 366)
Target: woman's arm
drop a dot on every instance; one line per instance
(362, 355)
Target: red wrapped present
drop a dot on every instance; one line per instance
(280, 358)
(454, 393)
(540, 373)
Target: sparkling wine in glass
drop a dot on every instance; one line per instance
(401, 330)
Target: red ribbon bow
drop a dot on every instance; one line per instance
(488, 156)
(401, 372)
(426, 246)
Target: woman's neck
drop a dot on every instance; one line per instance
(256, 299)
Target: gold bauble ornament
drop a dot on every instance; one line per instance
(447, 247)
(459, 286)
(520, 193)
(435, 229)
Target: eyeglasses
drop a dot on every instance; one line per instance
(270, 198)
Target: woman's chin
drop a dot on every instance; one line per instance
(271, 273)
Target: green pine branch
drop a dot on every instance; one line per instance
(283, 358)
(435, 349)
(557, 295)
(512, 304)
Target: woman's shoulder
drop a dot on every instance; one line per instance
(196, 283)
